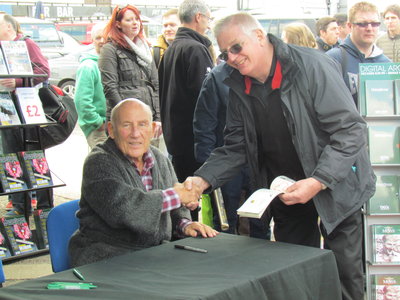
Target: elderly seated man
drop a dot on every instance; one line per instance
(130, 196)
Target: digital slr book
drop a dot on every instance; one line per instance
(386, 199)
(384, 144)
(379, 95)
(257, 203)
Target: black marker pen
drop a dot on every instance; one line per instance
(191, 248)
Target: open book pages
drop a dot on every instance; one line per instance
(258, 202)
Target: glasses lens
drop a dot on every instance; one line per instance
(365, 25)
(223, 55)
(235, 49)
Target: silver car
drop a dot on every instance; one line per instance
(63, 69)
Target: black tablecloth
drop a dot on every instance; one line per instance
(235, 267)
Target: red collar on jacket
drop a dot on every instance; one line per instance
(276, 80)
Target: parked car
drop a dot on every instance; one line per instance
(63, 69)
(52, 42)
(80, 31)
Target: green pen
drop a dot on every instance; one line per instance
(78, 274)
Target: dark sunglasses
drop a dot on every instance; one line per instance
(365, 24)
(234, 49)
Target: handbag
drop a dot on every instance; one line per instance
(59, 108)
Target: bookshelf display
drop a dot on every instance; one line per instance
(379, 103)
(37, 241)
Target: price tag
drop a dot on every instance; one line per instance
(31, 106)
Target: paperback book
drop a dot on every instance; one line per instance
(40, 217)
(385, 286)
(11, 173)
(257, 203)
(30, 106)
(36, 167)
(19, 236)
(379, 95)
(386, 199)
(384, 144)
(3, 66)
(397, 95)
(8, 112)
(17, 58)
(386, 244)
(4, 247)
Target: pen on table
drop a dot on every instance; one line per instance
(78, 274)
(191, 248)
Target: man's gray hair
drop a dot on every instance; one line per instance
(244, 20)
(189, 8)
(10, 20)
(114, 111)
(96, 28)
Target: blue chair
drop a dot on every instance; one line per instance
(61, 224)
(2, 277)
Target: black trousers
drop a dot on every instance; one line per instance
(298, 224)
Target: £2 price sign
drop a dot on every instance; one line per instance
(31, 106)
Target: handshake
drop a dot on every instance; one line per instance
(190, 191)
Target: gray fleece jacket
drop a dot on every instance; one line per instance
(116, 213)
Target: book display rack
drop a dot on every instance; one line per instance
(379, 103)
(25, 171)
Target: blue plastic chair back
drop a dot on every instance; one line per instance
(61, 224)
(2, 277)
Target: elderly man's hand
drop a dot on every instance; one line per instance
(189, 198)
(196, 228)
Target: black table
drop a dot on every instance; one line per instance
(235, 267)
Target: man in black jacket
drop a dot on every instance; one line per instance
(181, 73)
(290, 114)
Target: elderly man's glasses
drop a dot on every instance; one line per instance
(234, 49)
(365, 24)
(209, 19)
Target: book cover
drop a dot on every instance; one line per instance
(257, 203)
(11, 173)
(19, 235)
(40, 217)
(4, 247)
(384, 144)
(379, 97)
(17, 58)
(8, 112)
(397, 95)
(386, 199)
(36, 168)
(385, 286)
(386, 244)
(30, 106)
(3, 66)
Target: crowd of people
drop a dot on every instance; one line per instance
(267, 106)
